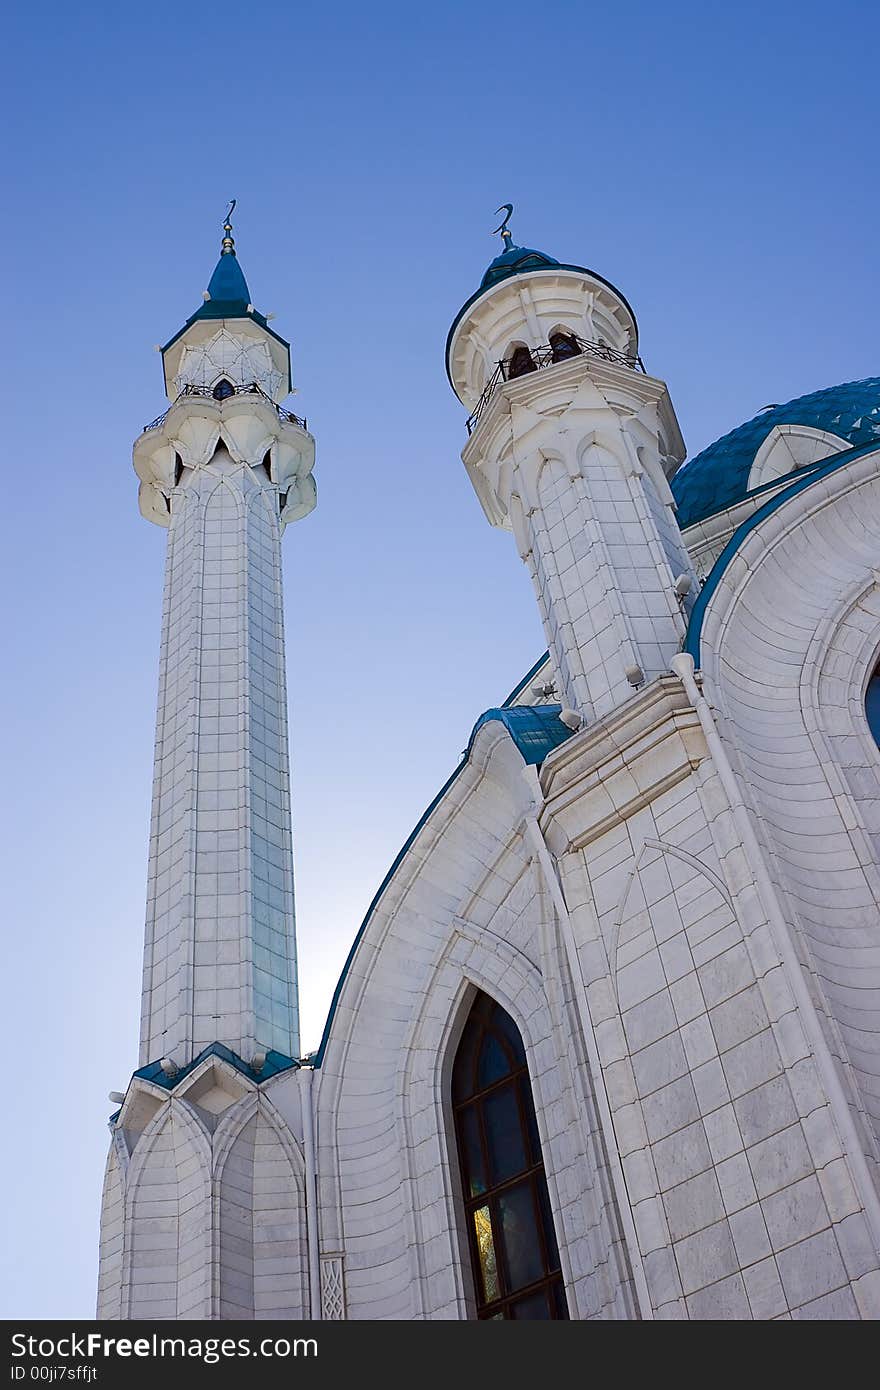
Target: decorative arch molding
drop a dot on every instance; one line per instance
(787, 642)
(239, 356)
(258, 1214)
(649, 850)
(790, 447)
(169, 1274)
(466, 964)
(840, 662)
(473, 960)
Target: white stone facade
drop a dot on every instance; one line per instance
(677, 905)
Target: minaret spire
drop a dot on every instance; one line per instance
(227, 246)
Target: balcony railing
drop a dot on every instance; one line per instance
(549, 355)
(229, 390)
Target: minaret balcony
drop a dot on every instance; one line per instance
(255, 430)
(525, 360)
(211, 392)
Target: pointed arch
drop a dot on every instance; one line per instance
(511, 1233)
(168, 1255)
(563, 344)
(790, 447)
(518, 361)
(259, 1206)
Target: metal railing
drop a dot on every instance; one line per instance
(549, 355)
(252, 389)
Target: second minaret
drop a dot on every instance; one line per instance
(570, 445)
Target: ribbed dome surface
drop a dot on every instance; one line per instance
(718, 477)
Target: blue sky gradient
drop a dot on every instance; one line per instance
(718, 164)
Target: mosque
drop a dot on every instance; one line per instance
(607, 1043)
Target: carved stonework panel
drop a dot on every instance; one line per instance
(332, 1289)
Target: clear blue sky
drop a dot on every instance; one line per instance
(717, 163)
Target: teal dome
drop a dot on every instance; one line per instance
(515, 261)
(719, 476)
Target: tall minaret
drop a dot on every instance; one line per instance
(224, 469)
(204, 1211)
(570, 446)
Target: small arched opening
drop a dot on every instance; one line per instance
(520, 362)
(563, 345)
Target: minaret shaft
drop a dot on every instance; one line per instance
(219, 960)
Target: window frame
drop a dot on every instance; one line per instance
(532, 1176)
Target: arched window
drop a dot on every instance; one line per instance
(563, 345)
(521, 362)
(223, 389)
(872, 705)
(513, 1248)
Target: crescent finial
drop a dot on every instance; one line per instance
(506, 233)
(228, 245)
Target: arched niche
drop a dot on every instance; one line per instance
(511, 1235)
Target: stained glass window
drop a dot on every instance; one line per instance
(514, 1253)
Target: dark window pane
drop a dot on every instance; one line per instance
(522, 1246)
(504, 1136)
(872, 705)
(535, 1306)
(472, 1153)
(502, 1023)
(547, 1222)
(512, 1241)
(563, 345)
(531, 1122)
(520, 363)
(465, 1060)
(486, 1254)
(560, 1303)
(493, 1062)
(223, 389)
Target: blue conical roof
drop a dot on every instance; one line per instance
(228, 296)
(228, 290)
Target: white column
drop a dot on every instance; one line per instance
(220, 958)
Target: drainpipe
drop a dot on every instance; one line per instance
(683, 667)
(554, 888)
(308, 1119)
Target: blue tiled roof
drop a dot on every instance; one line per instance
(718, 477)
(275, 1062)
(516, 261)
(535, 729)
